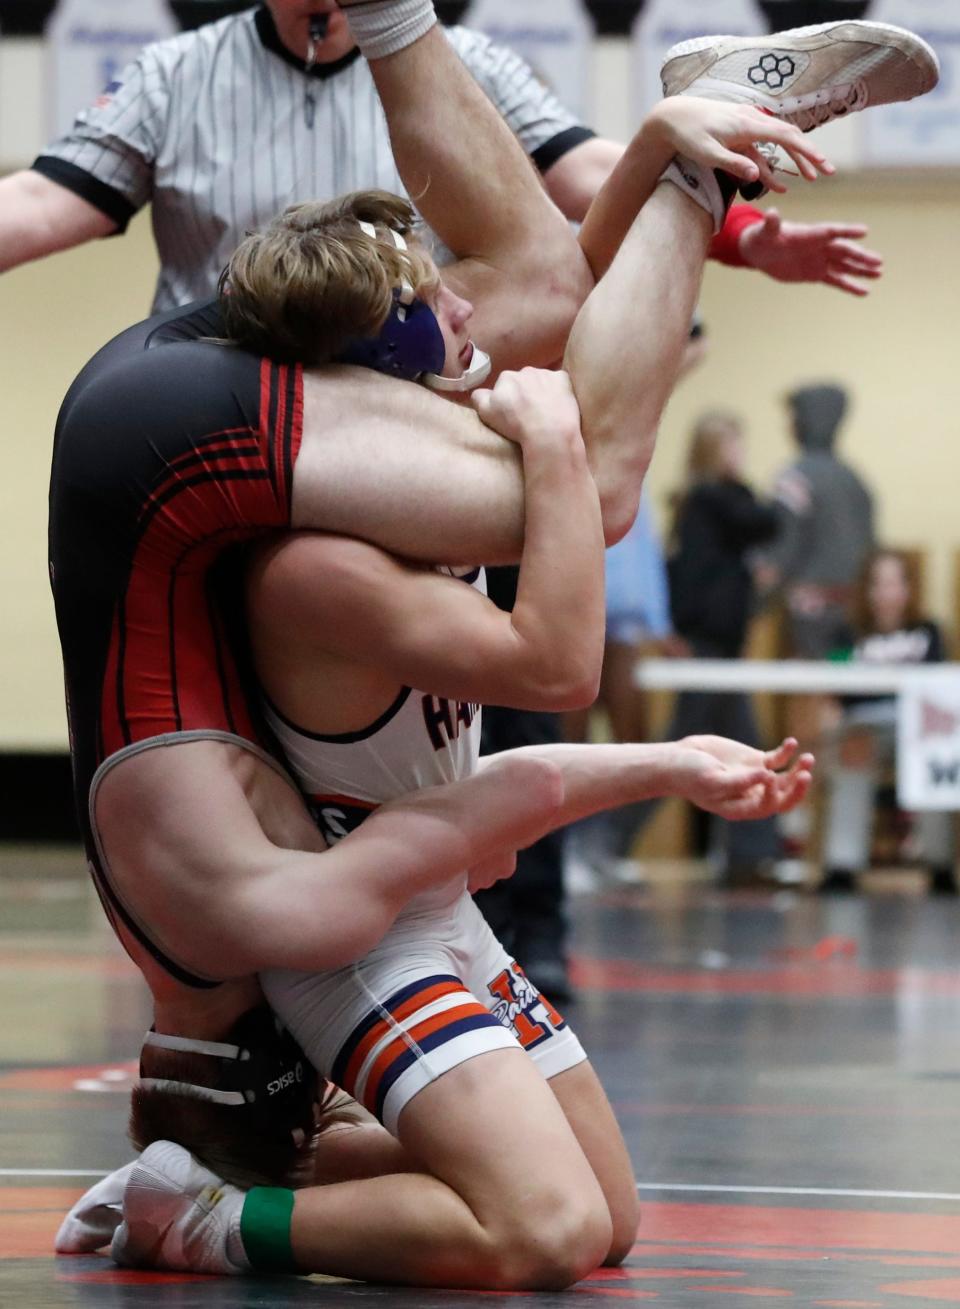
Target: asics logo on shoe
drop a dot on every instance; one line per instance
(772, 71)
(284, 1080)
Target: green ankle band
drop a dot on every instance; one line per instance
(265, 1229)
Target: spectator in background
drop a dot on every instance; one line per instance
(824, 527)
(825, 532)
(718, 521)
(888, 629)
(638, 623)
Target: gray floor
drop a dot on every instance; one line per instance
(785, 1069)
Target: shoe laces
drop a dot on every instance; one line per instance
(776, 160)
(831, 104)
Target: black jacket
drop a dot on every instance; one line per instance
(711, 590)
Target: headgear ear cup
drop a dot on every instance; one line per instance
(261, 1071)
(410, 344)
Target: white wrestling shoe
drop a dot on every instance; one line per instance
(95, 1217)
(178, 1215)
(807, 76)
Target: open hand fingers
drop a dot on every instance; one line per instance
(735, 162)
(849, 251)
(782, 754)
(844, 283)
(766, 174)
(848, 231)
(810, 161)
(736, 782)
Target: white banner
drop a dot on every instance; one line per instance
(555, 37)
(663, 23)
(928, 740)
(924, 131)
(88, 43)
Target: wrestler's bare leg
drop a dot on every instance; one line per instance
(511, 1201)
(628, 343)
(363, 1148)
(520, 262)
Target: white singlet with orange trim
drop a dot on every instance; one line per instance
(420, 740)
(439, 989)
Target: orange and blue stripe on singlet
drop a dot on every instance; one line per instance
(411, 1038)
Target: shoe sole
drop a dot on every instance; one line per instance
(912, 47)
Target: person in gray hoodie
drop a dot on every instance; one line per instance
(825, 527)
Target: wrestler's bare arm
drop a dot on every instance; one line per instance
(240, 881)
(722, 776)
(412, 626)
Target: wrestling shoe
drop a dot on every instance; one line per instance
(178, 1215)
(95, 1217)
(807, 76)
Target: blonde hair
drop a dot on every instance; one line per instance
(705, 457)
(313, 281)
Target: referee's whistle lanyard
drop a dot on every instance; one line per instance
(319, 23)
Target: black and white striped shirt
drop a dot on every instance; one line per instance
(216, 129)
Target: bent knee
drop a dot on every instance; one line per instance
(555, 1247)
(625, 1221)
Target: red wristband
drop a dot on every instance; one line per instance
(725, 246)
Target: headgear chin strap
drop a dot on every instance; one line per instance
(410, 344)
(476, 373)
(265, 1075)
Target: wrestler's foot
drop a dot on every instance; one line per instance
(95, 1217)
(178, 1215)
(807, 76)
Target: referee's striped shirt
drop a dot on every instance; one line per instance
(216, 128)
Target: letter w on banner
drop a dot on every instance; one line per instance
(89, 43)
(928, 740)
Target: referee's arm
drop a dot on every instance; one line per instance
(39, 216)
(90, 182)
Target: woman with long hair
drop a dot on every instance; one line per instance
(889, 627)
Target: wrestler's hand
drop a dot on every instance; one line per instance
(483, 875)
(737, 781)
(533, 405)
(721, 135)
(810, 252)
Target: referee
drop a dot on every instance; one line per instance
(223, 127)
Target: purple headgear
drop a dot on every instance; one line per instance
(410, 344)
